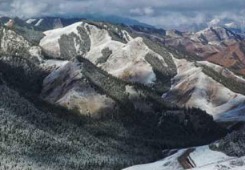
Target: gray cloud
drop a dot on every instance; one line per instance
(162, 13)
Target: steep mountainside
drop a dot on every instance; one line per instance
(131, 55)
(232, 57)
(218, 45)
(195, 86)
(227, 153)
(112, 49)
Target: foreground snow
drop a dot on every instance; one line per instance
(202, 157)
(170, 162)
(232, 164)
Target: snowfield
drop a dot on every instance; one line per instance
(51, 40)
(127, 60)
(230, 164)
(169, 163)
(202, 157)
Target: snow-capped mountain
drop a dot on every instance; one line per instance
(123, 88)
(211, 44)
(194, 86)
(131, 59)
(234, 25)
(109, 47)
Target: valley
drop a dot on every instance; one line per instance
(81, 94)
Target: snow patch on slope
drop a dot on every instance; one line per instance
(231, 25)
(127, 61)
(39, 22)
(47, 64)
(51, 40)
(100, 39)
(36, 51)
(30, 21)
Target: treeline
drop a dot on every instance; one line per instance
(231, 84)
(33, 139)
(199, 124)
(233, 144)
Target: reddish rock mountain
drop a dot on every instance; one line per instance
(232, 57)
(215, 44)
(203, 43)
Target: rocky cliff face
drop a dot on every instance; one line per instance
(14, 43)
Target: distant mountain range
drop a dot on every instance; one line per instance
(238, 27)
(54, 22)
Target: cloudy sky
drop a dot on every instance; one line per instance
(163, 13)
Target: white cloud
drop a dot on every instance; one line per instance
(156, 12)
(27, 8)
(142, 11)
